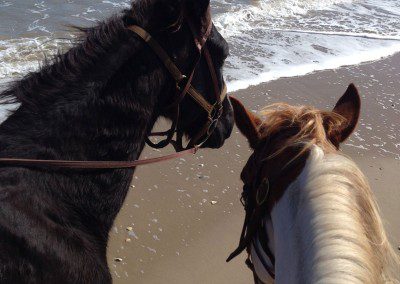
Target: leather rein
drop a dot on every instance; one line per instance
(184, 87)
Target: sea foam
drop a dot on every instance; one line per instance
(268, 39)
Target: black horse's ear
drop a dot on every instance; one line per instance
(166, 13)
(198, 6)
(203, 6)
(199, 13)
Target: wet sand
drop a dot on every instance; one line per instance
(182, 218)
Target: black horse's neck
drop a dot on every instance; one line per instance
(96, 102)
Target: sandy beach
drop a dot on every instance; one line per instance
(183, 218)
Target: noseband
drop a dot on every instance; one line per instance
(184, 87)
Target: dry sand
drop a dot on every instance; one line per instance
(182, 218)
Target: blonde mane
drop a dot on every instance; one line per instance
(342, 187)
(308, 120)
(345, 227)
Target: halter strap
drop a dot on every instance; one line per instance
(169, 64)
(177, 74)
(184, 86)
(259, 201)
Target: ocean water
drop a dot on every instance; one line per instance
(269, 39)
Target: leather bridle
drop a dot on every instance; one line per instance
(259, 198)
(183, 86)
(255, 197)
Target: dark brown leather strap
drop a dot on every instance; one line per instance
(168, 63)
(11, 162)
(169, 134)
(214, 78)
(176, 73)
(260, 200)
(184, 86)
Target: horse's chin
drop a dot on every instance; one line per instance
(217, 139)
(213, 144)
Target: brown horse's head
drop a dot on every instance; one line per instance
(281, 139)
(283, 134)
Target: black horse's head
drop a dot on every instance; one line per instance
(177, 25)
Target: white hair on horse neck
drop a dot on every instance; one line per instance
(337, 224)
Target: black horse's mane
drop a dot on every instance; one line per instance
(64, 70)
(69, 71)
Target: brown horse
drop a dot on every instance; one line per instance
(310, 214)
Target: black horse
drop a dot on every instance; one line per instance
(98, 101)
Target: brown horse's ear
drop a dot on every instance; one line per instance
(247, 122)
(348, 106)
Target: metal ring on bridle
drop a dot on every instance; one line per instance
(214, 117)
(212, 126)
(216, 111)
